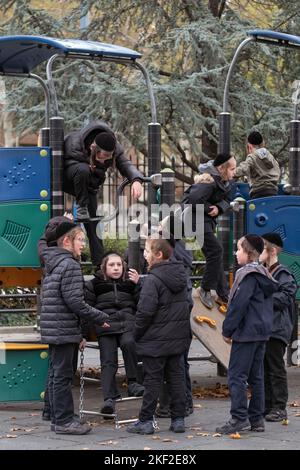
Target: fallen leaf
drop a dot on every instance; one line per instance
(167, 439)
(203, 434)
(294, 404)
(190, 437)
(297, 414)
(236, 435)
(155, 438)
(11, 436)
(147, 448)
(34, 414)
(12, 417)
(197, 406)
(196, 429)
(85, 448)
(16, 429)
(217, 434)
(285, 422)
(110, 443)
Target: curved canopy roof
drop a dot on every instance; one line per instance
(275, 37)
(21, 54)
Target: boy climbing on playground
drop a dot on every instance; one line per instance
(284, 312)
(212, 189)
(114, 292)
(260, 167)
(62, 308)
(162, 334)
(248, 326)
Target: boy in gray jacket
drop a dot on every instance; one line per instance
(260, 167)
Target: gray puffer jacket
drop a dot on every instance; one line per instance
(63, 303)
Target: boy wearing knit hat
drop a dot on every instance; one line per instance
(89, 153)
(247, 326)
(212, 189)
(284, 316)
(62, 308)
(260, 167)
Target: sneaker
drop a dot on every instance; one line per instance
(109, 407)
(258, 426)
(82, 213)
(276, 415)
(135, 390)
(177, 425)
(162, 412)
(73, 427)
(206, 298)
(141, 427)
(75, 418)
(234, 425)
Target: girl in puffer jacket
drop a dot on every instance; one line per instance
(117, 294)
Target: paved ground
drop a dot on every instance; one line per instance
(21, 426)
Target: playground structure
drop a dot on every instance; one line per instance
(31, 178)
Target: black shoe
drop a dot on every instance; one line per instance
(109, 407)
(140, 427)
(74, 427)
(234, 425)
(177, 425)
(206, 298)
(75, 418)
(46, 416)
(258, 426)
(276, 415)
(82, 213)
(135, 390)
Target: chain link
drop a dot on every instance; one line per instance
(81, 385)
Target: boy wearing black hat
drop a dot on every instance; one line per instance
(88, 155)
(212, 189)
(62, 307)
(284, 314)
(260, 167)
(248, 325)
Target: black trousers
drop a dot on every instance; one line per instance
(108, 345)
(276, 386)
(154, 370)
(61, 370)
(77, 182)
(246, 365)
(214, 276)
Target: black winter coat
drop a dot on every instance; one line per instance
(162, 326)
(77, 149)
(116, 298)
(63, 303)
(213, 191)
(284, 304)
(250, 312)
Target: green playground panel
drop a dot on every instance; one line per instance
(23, 371)
(293, 263)
(21, 226)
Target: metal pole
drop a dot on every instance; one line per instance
(57, 145)
(168, 187)
(294, 161)
(134, 247)
(238, 227)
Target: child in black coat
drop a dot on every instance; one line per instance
(116, 295)
(276, 387)
(248, 326)
(212, 189)
(162, 334)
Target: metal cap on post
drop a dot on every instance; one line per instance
(57, 145)
(44, 137)
(134, 245)
(294, 162)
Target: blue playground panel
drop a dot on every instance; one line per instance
(21, 226)
(25, 173)
(242, 190)
(280, 214)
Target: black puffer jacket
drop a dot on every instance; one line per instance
(63, 303)
(211, 190)
(284, 304)
(117, 298)
(77, 149)
(162, 326)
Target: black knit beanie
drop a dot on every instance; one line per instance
(256, 242)
(273, 238)
(255, 138)
(106, 141)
